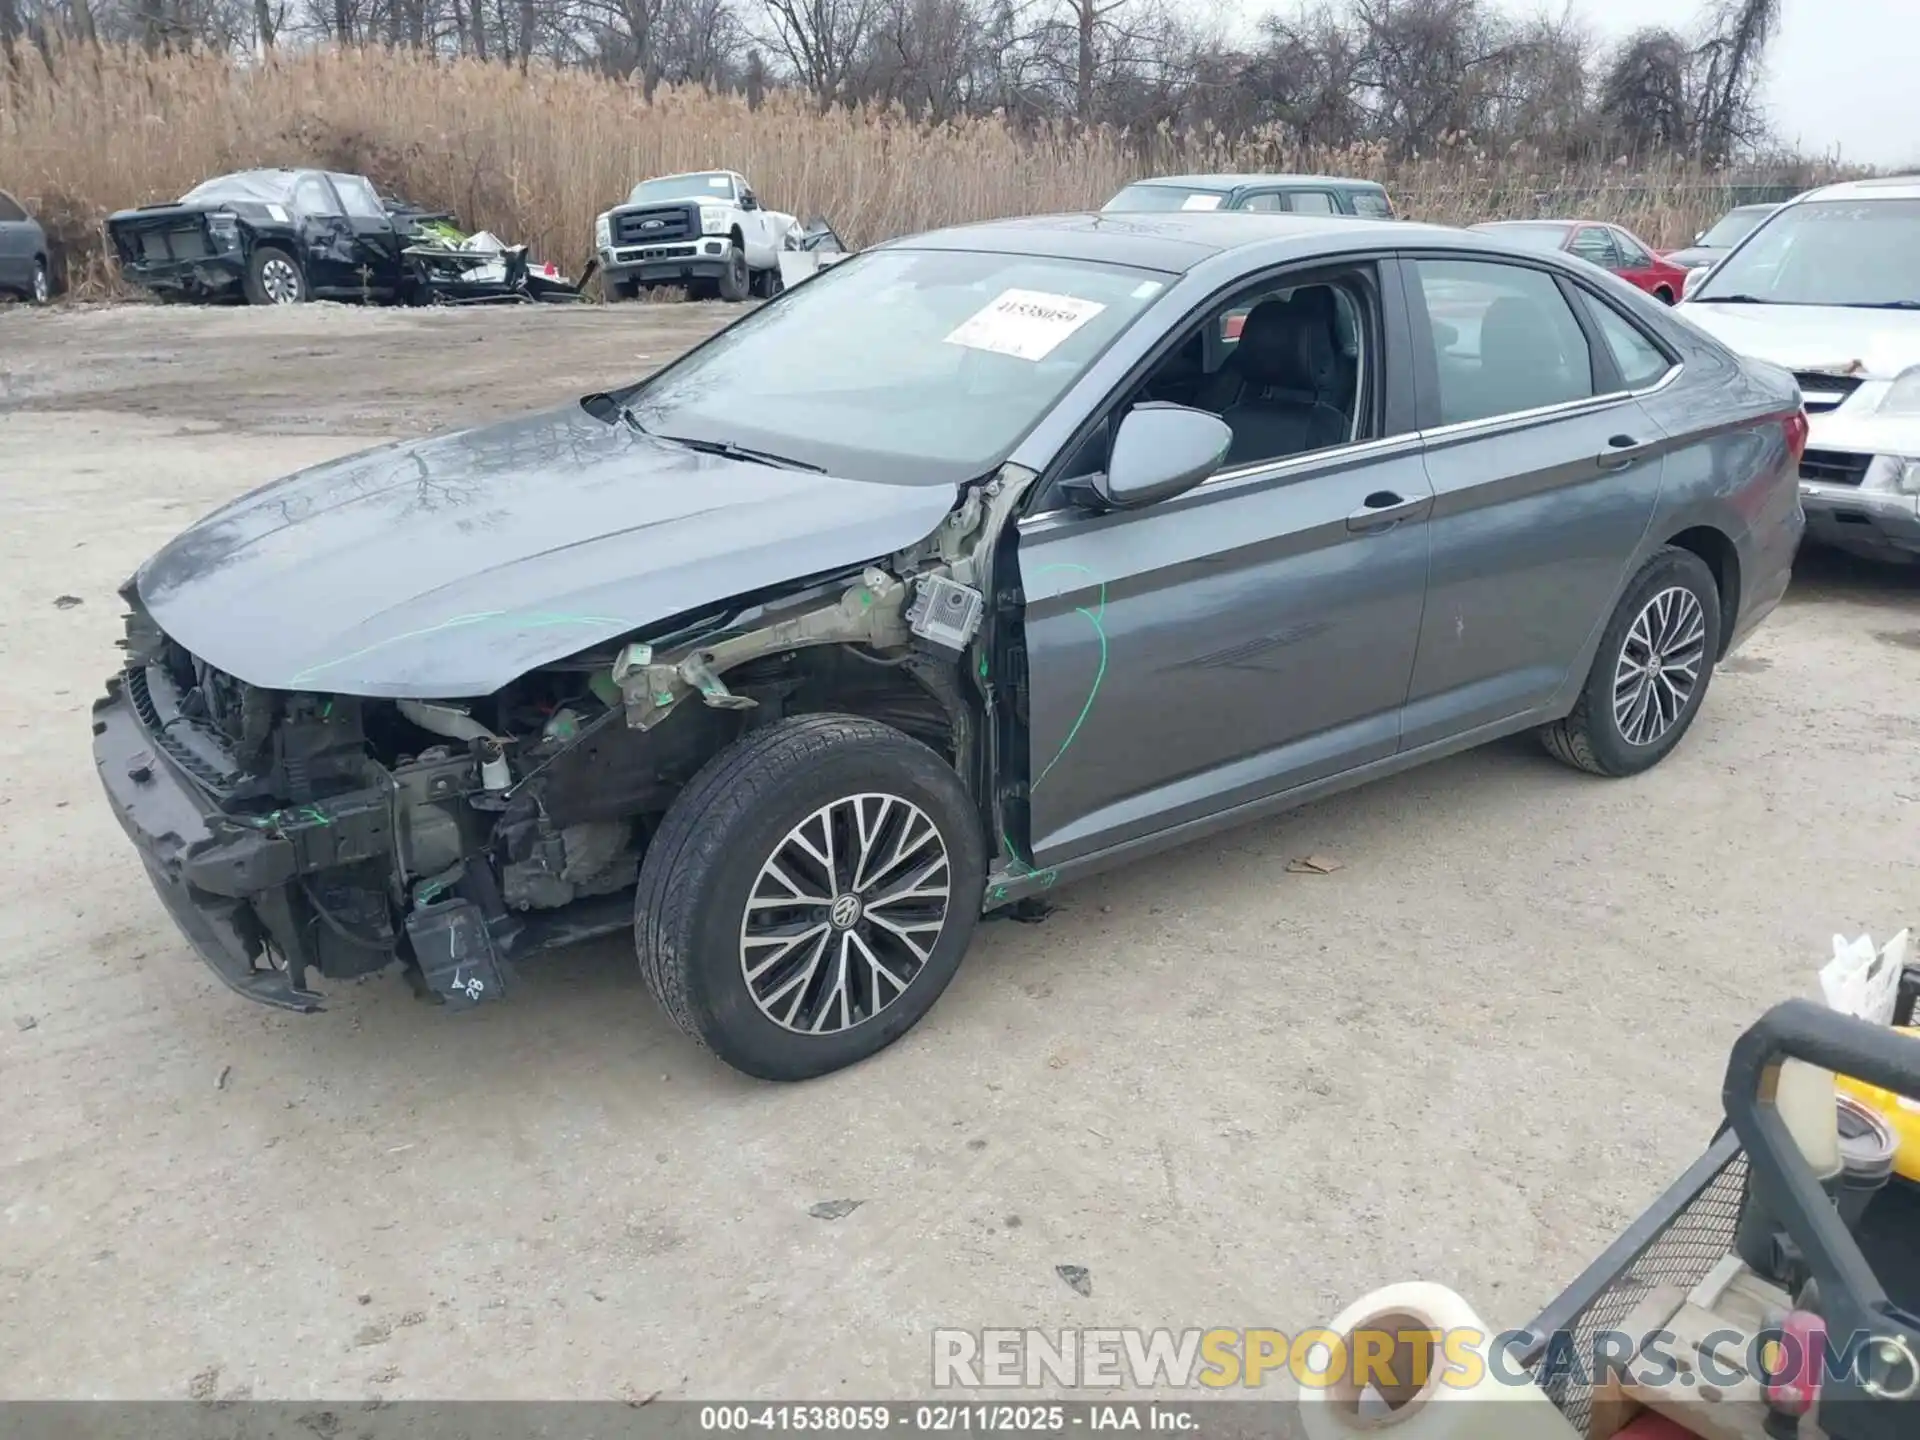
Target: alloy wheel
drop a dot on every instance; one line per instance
(279, 281)
(1659, 666)
(42, 288)
(845, 913)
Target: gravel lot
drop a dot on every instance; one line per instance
(1235, 1095)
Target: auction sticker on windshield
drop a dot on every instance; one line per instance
(1200, 202)
(1027, 324)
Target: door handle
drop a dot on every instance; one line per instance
(1383, 510)
(1621, 451)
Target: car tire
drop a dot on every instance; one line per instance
(614, 292)
(1627, 720)
(736, 280)
(768, 283)
(274, 277)
(41, 289)
(791, 992)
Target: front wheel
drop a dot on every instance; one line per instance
(736, 280)
(1650, 673)
(809, 895)
(42, 290)
(274, 278)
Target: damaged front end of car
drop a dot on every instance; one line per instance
(300, 836)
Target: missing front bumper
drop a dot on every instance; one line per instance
(233, 885)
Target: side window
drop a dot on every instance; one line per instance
(359, 197)
(1312, 202)
(312, 197)
(1299, 375)
(1633, 255)
(1638, 359)
(1372, 203)
(1595, 244)
(1267, 201)
(1504, 339)
(9, 209)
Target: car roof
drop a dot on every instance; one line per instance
(1224, 183)
(1879, 187)
(1542, 224)
(1176, 241)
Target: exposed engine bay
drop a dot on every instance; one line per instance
(344, 833)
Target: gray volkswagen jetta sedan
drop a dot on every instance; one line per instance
(982, 561)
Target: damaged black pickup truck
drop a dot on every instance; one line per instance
(952, 572)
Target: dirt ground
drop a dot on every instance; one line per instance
(1236, 1095)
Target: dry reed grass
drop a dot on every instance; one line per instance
(534, 157)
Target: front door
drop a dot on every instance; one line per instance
(326, 239)
(1251, 635)
(1545, 470)
(376, 243)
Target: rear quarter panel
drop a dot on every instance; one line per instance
(1729, 470)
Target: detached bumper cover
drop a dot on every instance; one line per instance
(226, 880)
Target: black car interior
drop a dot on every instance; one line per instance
(1287, 385)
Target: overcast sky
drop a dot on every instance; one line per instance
(1842, 74)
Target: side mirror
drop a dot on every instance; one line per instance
(1695, 277)
(1160, 451)
(747, 202)
(1700, 238)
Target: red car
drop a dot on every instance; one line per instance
(1608, 246)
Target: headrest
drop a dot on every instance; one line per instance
(1516, 339)
(1289, 344)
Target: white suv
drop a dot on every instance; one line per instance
(1828, 286)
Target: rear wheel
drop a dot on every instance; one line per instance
(809, 895)
(274, 278)
(42, 289)
(1650, 673)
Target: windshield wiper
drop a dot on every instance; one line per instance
(1732, 300)
(1885, 305)
(601, 405)
(730, 450)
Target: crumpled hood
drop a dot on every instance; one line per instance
(1833, 339)
(445, 568)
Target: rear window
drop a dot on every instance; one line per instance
(10, 210)
(1374, 204)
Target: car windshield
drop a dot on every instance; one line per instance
(1826, 252)
(261, 186)
(900, 366)
(1732, 228)
(1166, 197)
(711, 185)
(1534, 237)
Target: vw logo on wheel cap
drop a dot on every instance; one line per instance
(846, 910)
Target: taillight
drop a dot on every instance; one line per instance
(1797, 434)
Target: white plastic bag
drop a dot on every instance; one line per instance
(1862, 982)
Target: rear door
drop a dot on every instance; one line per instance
(16, 245)
(1249, 636)
(1546, 470)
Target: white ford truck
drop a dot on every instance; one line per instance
(703, 230)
